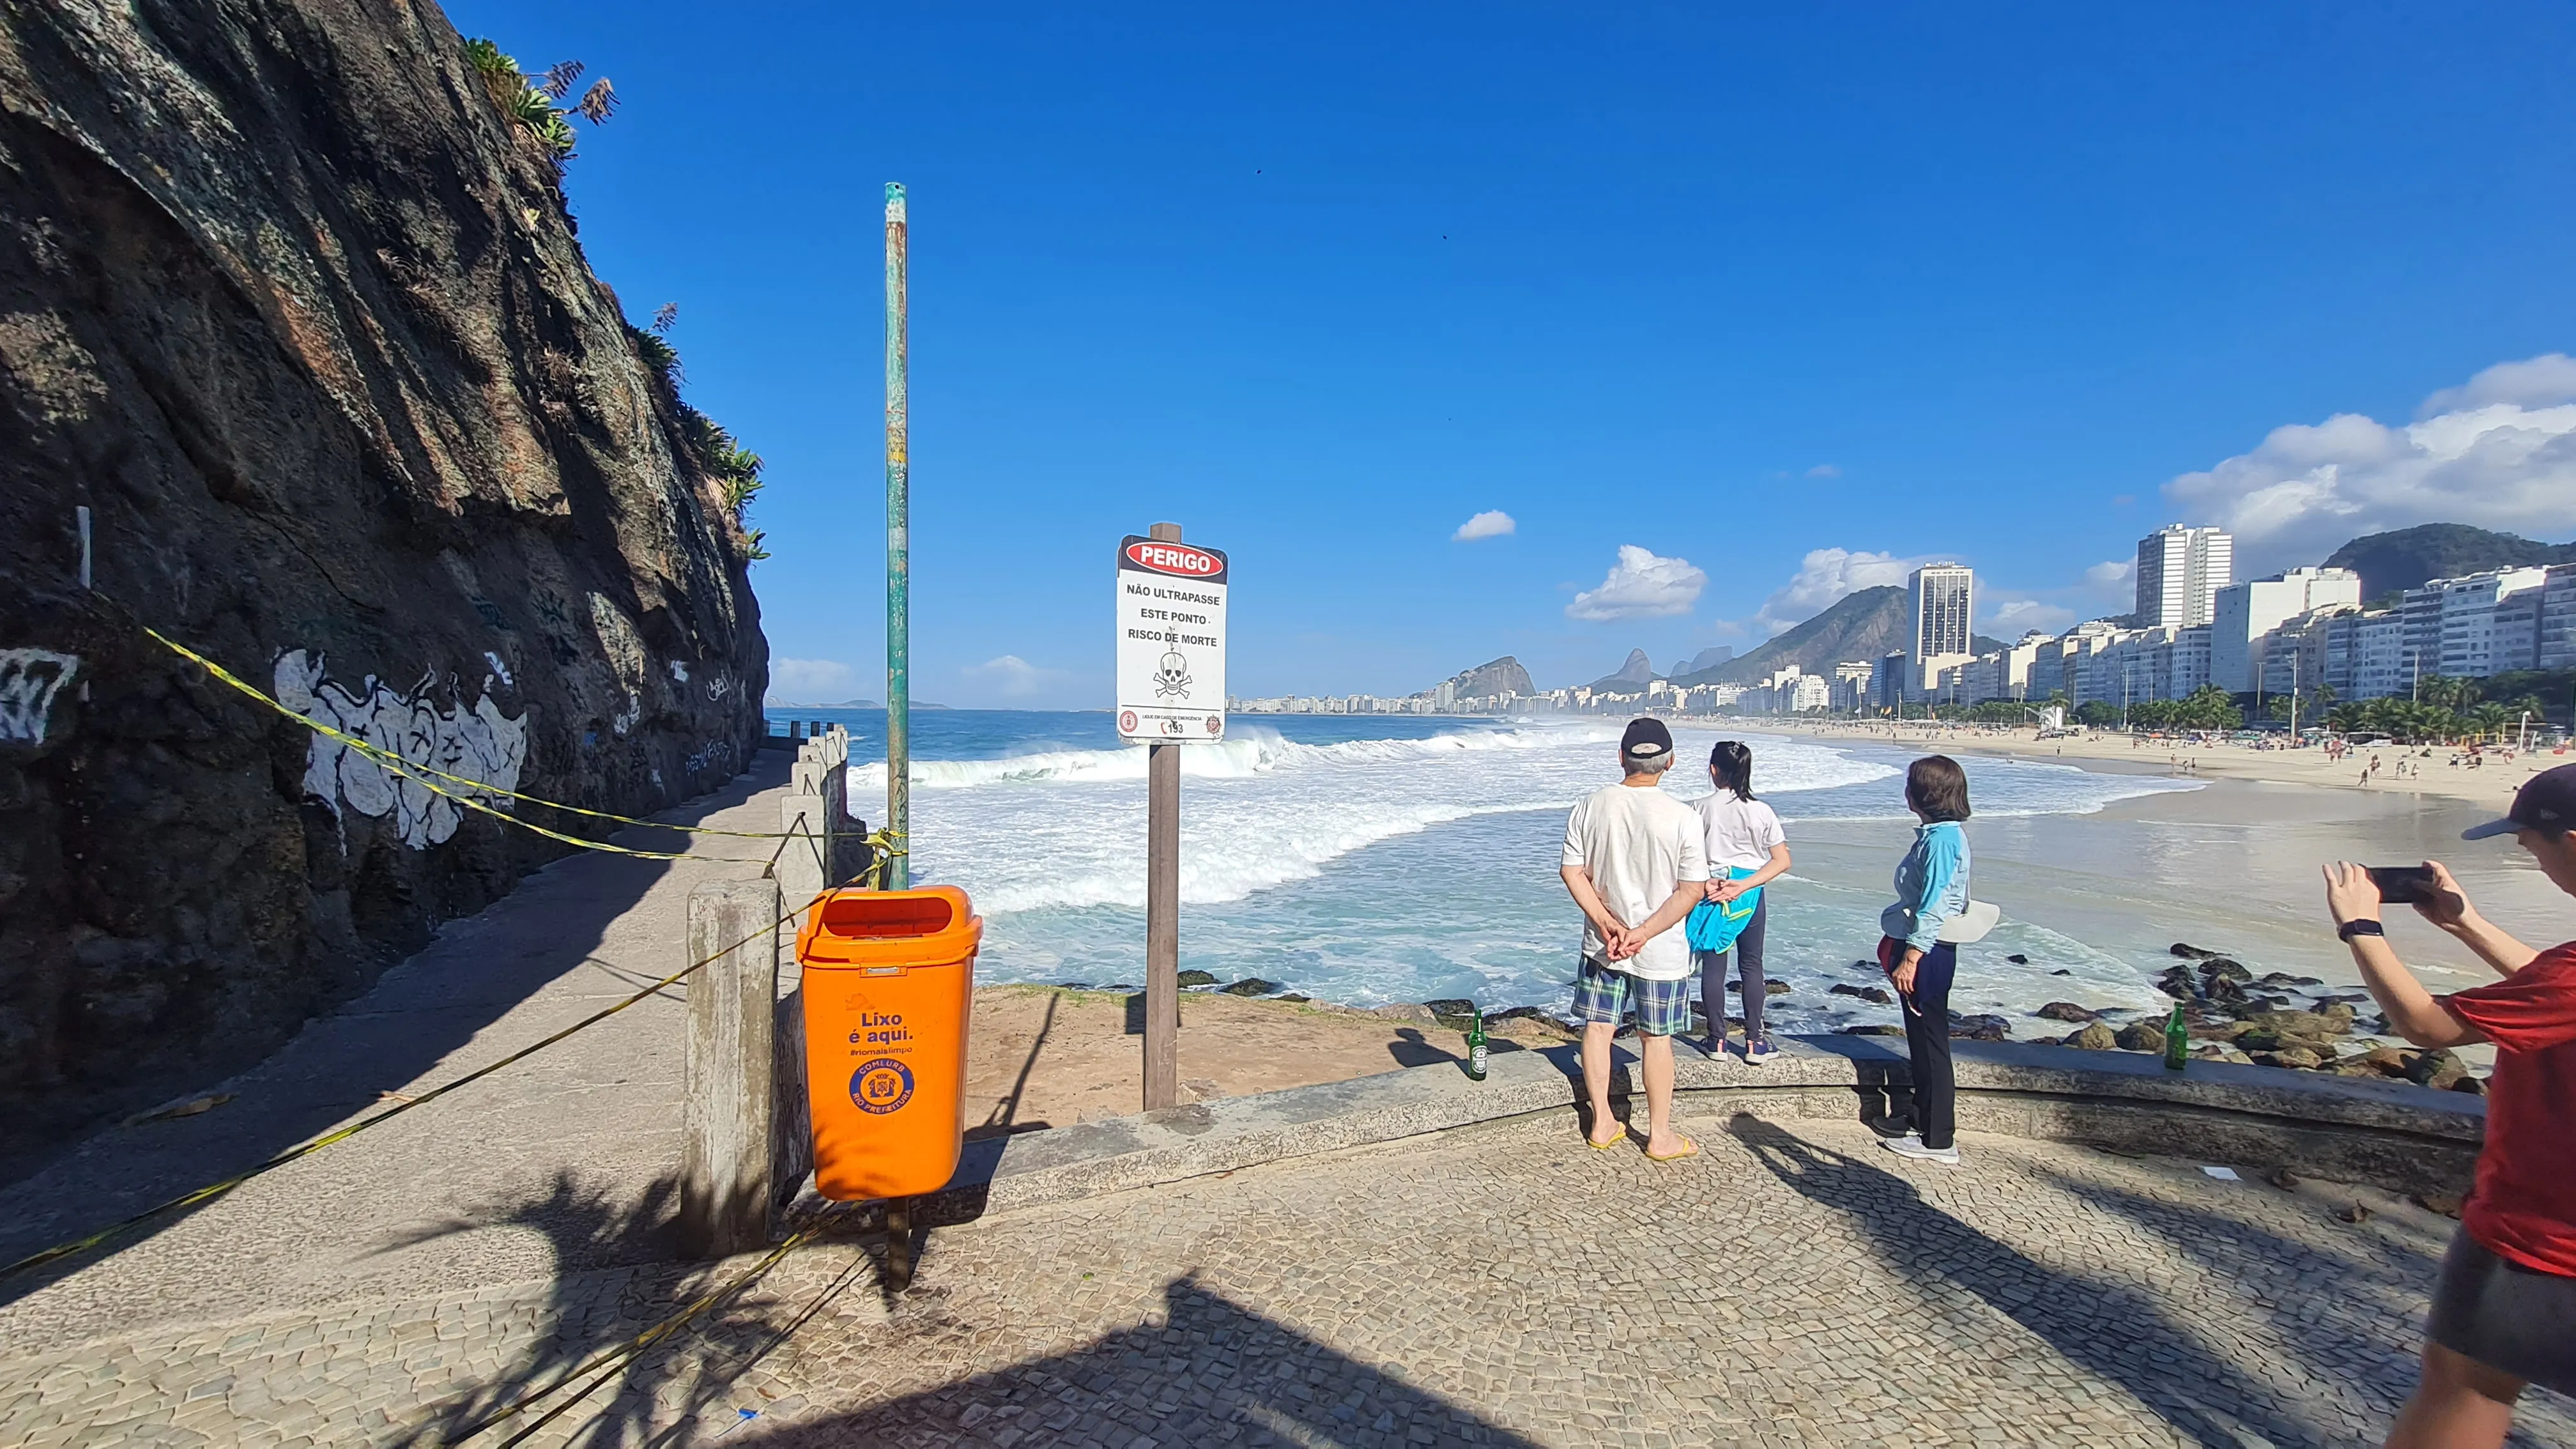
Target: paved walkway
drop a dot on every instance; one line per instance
(1494, 1285)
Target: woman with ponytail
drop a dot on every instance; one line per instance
(1746, 851)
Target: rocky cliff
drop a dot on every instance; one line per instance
(1496, 676)
(301, 364)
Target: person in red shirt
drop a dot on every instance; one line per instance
(2504, 1311)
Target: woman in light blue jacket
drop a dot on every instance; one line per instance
(1931, 888)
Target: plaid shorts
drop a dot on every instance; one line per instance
(1604, 995)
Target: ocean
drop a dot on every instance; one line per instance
(1374, 859)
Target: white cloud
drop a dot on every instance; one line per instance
(1824, 470)
(2110, 576)
(1492, 523)
(2010, 618)
(2498, 452)
(1641, 585)
(812, 681)
(1012, 677)
(1825, 577)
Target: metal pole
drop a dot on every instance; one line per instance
(898, 429)
(1163, 909)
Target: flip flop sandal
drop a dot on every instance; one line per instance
(1691, 1151)
(1605, 1146)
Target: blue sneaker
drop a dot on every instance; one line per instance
(1758, 1052)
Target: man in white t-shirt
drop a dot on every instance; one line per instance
(1635, 862)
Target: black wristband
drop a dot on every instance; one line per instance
(2350, 929)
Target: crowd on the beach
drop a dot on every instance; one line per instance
(1672, 892)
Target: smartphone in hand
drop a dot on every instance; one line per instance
(2403, 885)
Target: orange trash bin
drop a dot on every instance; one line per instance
(889, 983)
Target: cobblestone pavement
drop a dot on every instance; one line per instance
(1495, 1285)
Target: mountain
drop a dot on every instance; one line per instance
(1708, 658)
(1486, 680)
(299, 332)
(1980, 644)
(1634, 675)
(2388, 562)
(1864, 625)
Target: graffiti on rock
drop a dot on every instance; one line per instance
(29, 680)
(479, 744)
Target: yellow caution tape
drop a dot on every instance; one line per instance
(882, 839)
(416, 771)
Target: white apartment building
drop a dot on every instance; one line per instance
(1850, 693)
(2243, 614)
(2465, 638)
(2556, 647)
(2180, 571)
(1939, 602)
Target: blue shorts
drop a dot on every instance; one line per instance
(1604, 995)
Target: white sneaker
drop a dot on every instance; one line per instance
(1912, 1146)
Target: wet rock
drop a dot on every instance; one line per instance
(1250, 986)
(2191, 953)
(1775, 988)
(2018, 959)
(2096, 1037)
(2219, 968)
(2139, 1036)
(1873, 1031)
(1980, 1028)
(1509, 1013)
(1865, 993)
(2065, 1011)
(1197, 978)
(2283, 978)
(2288, 1056)
(2061, 971)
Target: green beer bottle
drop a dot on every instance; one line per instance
(2177, 1041)
(1476, 1046)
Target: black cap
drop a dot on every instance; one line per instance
(2546, 801)
(1646, 738)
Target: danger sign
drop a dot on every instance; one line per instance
(1171, 641)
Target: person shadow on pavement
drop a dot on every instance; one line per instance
(2115, 1332)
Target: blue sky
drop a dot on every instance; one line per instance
(1778, 298)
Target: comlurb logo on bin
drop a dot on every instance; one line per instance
(881, 1086)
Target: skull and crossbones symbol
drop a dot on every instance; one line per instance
(1173, 679)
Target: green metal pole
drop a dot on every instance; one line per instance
(898, 874)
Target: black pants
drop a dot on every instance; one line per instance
(1747, 951)
(1934, 1113)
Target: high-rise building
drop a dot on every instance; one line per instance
(1938, 601)
(2180, 571)
(2245, 613)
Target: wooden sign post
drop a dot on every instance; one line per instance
(1171, 693)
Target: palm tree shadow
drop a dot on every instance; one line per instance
(2276, 1273)
(615, 1278)
(2117, 1333)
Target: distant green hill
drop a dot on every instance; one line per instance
(1864, 625)
(2388, 562)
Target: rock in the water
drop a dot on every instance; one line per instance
(1865, 993)
(2192, 953)
(1775, 987)
(2138, 1036)
(2288, 1056)
(1980, 1028)
(1197, 978)
(2096, 1036)
(2283, 978)
(1873, 1031)
(2018, 959)
(2065, 1011)
(2061, 971)
(1250, 986)
(1510, 1013)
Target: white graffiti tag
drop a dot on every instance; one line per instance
(29, 680)
(480, 744)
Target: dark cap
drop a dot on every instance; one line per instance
(1646, 738)
(2546, 801)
